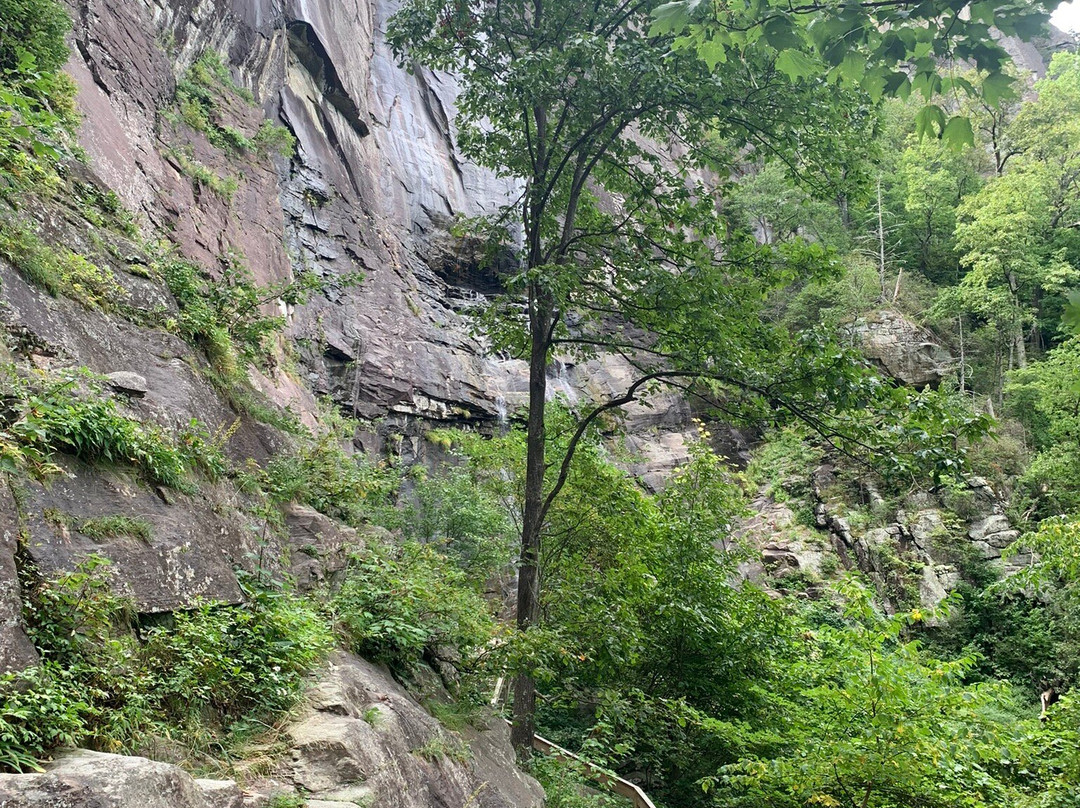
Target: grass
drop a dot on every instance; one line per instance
(114, 527)
(203, 177)
(58, 270)
(440, 747)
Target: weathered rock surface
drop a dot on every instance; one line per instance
(362, 741)
(96, 780)
(16, 650)
(318, 546)
(190, 556)
(902, 349)
(365, 740)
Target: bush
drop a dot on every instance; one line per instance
(785, 465)
(341, 485)
(37, 714)
(396, 602)
(100, 685)
(32, 33)
(44, 416)
(237, 661)
(37, 111)
(472, 525)
(59, 271)
(566, 786)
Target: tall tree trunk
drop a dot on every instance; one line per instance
(881, 244)
(528, 589)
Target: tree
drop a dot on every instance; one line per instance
(610, 116)
(879, 725)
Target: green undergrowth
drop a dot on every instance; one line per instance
(200, 94)
(103, 527)
(224, 316)
(70, 413)
(203, 176)
(58, 270)
(37, 99)
(566, 785)
(396, 602)
(112, 680)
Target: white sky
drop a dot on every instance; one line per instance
(1067, 16)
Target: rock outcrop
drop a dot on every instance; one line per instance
(913, 555)
(902, 349)
(365, 740)
(98, 780)
(362, 741)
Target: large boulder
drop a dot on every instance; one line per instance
(904, 350)
(366, 740)
(85, 779)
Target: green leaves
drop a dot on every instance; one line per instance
(958, 132)
(997, 87)
(930, 120)
(673, 17)
(796, 64)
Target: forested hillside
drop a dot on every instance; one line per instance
(697, 388)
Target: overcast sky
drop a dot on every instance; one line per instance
(1067, 16)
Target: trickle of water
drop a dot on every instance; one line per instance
(500, 409)
(559, 383)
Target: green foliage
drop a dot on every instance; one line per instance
(59, 271)
(199, 94)
(110, 527)
(471, 523)
(273, 138)
(320, 473)
(46, 416)
(203, 176)
(396, 602)
(1045, 397)
(441, 746)
(239, 662)
(286, 799)
(106, 681)
(879, 49)
(785, 464)
(37, 714)
(566, 786)
(873, 724)
(37, 112)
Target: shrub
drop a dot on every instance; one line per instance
(785, 465)
(323, 475)
(395, 602)
(274, 139)
(469, 521)
(32, 33)
(237, 661)
(59, 271)
(216, 666)
(37, 714)
(46, 415)
(565, 785)
(203, 176)
(37, 111)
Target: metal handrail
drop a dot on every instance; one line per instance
(621, 787)
(624, 788)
